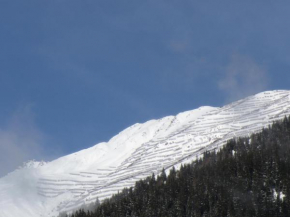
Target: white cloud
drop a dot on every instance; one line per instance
(20, 140)
(243, 77)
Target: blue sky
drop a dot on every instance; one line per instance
(75, 73)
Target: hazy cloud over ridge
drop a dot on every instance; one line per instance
(243, 77)
(20, 140)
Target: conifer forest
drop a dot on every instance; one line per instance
(248, 177)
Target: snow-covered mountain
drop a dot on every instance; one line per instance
(45, 189)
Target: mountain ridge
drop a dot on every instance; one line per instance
(102, 170)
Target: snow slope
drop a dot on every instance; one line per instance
(66, 183)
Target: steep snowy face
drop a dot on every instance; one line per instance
(45, 189)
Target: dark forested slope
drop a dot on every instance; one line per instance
(247, 177)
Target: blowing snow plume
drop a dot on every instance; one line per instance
(243, 77)
(19, 140)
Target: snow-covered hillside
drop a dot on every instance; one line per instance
(40, 189)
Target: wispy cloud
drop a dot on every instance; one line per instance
(179, 46)
(243, 77)
(20, 140)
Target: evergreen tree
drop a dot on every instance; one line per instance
(248, 177)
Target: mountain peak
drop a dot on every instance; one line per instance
(141, 149)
